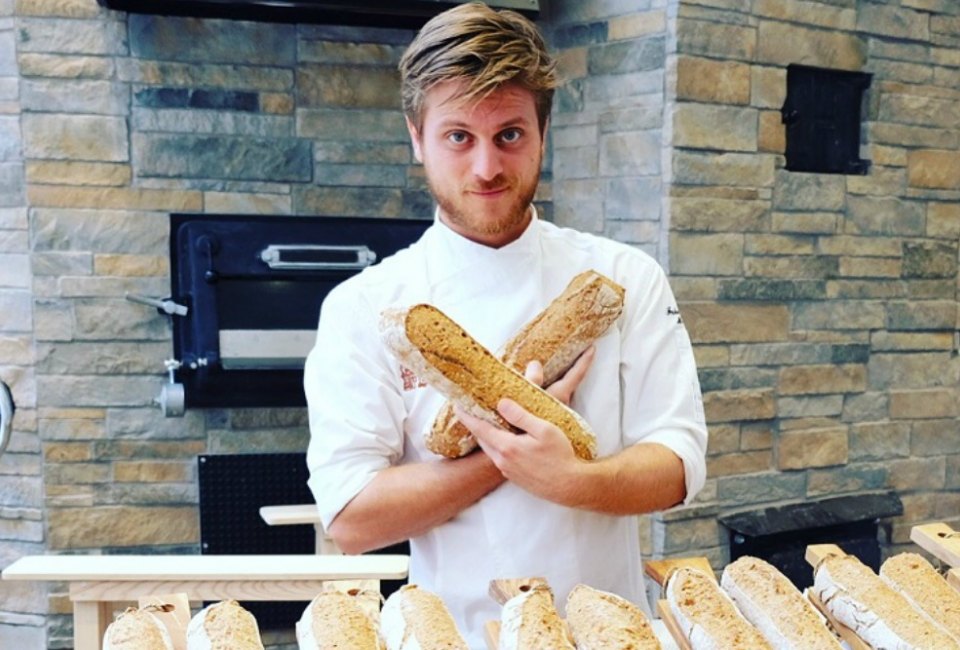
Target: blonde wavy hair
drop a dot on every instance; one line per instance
(487, 48)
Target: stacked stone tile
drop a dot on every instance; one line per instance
(823, 308)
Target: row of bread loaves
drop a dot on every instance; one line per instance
(221, 626)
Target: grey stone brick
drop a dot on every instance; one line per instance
(769, 289)
(615, 91)
(193, 75)
(186, 156)
(712, 379)
(852, 353)
(922, 315)
(929, 289)
(634, 232)
(212, 122)
(645, 114)
(839, 315)
(419, 204)
(921, 110)
(16, 313)
(579, 35)
(879, 440)
(348, 86)
(8, 54)
(212, 41)
(84, 357)
(778, 354)
(809, 406)
(263, 441)
(355, 53)
(911, 370)
(631, 199)
(365, 175)
(117, 320)
(627, 154)
(569, 97)
(352, 125)
(150, 424)
(756, 488)
(160, 97)
(579, 162)
(706, 254)
(150, 494)
(844, 480)
(884, 216)
(113, 231)
(352, 201)
(362, 153)
(90, 96)
(935, 438)
(21, 492)
(66, 36)
(78, 137)
(712, 168)
(570, 11)
(627, 56)
(929, 260)
(893, 21)
(349, 34)
(798, 191)
(15, 271)
(11, 185)
(737, 42)
(87, 390)
(10, 138)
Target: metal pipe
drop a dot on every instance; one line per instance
(6, 415)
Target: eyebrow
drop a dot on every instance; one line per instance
(516, 121)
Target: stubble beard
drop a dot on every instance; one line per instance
(472, 220)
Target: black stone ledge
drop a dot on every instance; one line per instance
(813, 514)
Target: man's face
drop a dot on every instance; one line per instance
(482, 160)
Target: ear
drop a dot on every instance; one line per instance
(414, 140)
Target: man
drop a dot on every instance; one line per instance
(477, 91)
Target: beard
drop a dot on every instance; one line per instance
(468, 215)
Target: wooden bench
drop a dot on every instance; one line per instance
(99, 583)
(300, 515)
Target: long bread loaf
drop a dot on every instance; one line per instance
(917, 580)
(775, 606)
(444, 355)
(337, 619)
(414, 619)
(859, 599)
(529, 621)
(599, 620)
(555, 337)
(137, 629)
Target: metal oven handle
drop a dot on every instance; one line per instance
(319, 258)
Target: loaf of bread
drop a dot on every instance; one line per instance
(340, 620)
(918, 582)
(555, 337)
(441, 353)
(786, 619)
(414, 619)
(529, 621)
(223, 626)
(137, 629)
(706, 616)
(857, 597)
(599, 620)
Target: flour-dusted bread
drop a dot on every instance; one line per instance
(444, 355)
(858, 598)
(414, 619)
(224, 626)
(337, 620)
(599, 620)
(707, 617)
(917, 580)
(555, 337)
(787, 620)
(529, 621)
(137, 629)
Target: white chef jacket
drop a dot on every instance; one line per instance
(367, 412)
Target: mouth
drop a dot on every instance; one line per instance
(489, 193)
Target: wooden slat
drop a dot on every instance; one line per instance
(816, 553)
(660, 570)
(209, 568)
(953, 578)
(940, 540)
(491, 633)
(848, 635)
(663, 608)
(290, 515)
(124, 590)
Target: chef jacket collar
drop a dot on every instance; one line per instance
(460, 252)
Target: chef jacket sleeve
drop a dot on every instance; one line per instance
(660, 390)
(354, 402)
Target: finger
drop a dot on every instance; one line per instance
(564, 387)
(486, 434)
(520, 417)
(534, 372)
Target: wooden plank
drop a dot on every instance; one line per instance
(491, 633)
(209, 568)
(124, 590)
(290, 515)
(663, 608)
(660, 570)
(953, 578)
(848, 635)
(940, 540)
(816, 553)
(90, 621)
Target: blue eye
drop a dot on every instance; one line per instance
(457, 137)
(511, 135)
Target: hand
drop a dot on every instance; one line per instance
(540, 460)
(563, 387)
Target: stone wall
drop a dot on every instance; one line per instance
(823, 307)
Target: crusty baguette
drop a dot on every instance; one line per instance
(775, 606)
(225, 625)
(337, 619)
(529, 621)
(706, 615)
(858, 598)
(442, 353)
(599, 620)
(917, 580)
(555, 337)
(137, 629)
(414, 619)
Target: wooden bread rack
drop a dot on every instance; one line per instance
(943, 542)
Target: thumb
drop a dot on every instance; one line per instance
(534, 372)
(518, 416)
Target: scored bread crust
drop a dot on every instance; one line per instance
(558, 335)
(859, 599)
(415, 619)
(137, 629)
(916, 579)
(335, 619)
(787, 620)
(444, 355)
(225, 625)
(599, 620)
(529, 621)
(706, 615)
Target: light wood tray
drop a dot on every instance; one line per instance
(814, 555)
(943, 542)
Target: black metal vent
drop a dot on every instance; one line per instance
(401, 14)
(823, 113)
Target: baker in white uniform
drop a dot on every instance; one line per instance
(477, 90)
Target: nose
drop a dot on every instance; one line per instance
(487, 162)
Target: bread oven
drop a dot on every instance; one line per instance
(245, 296)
